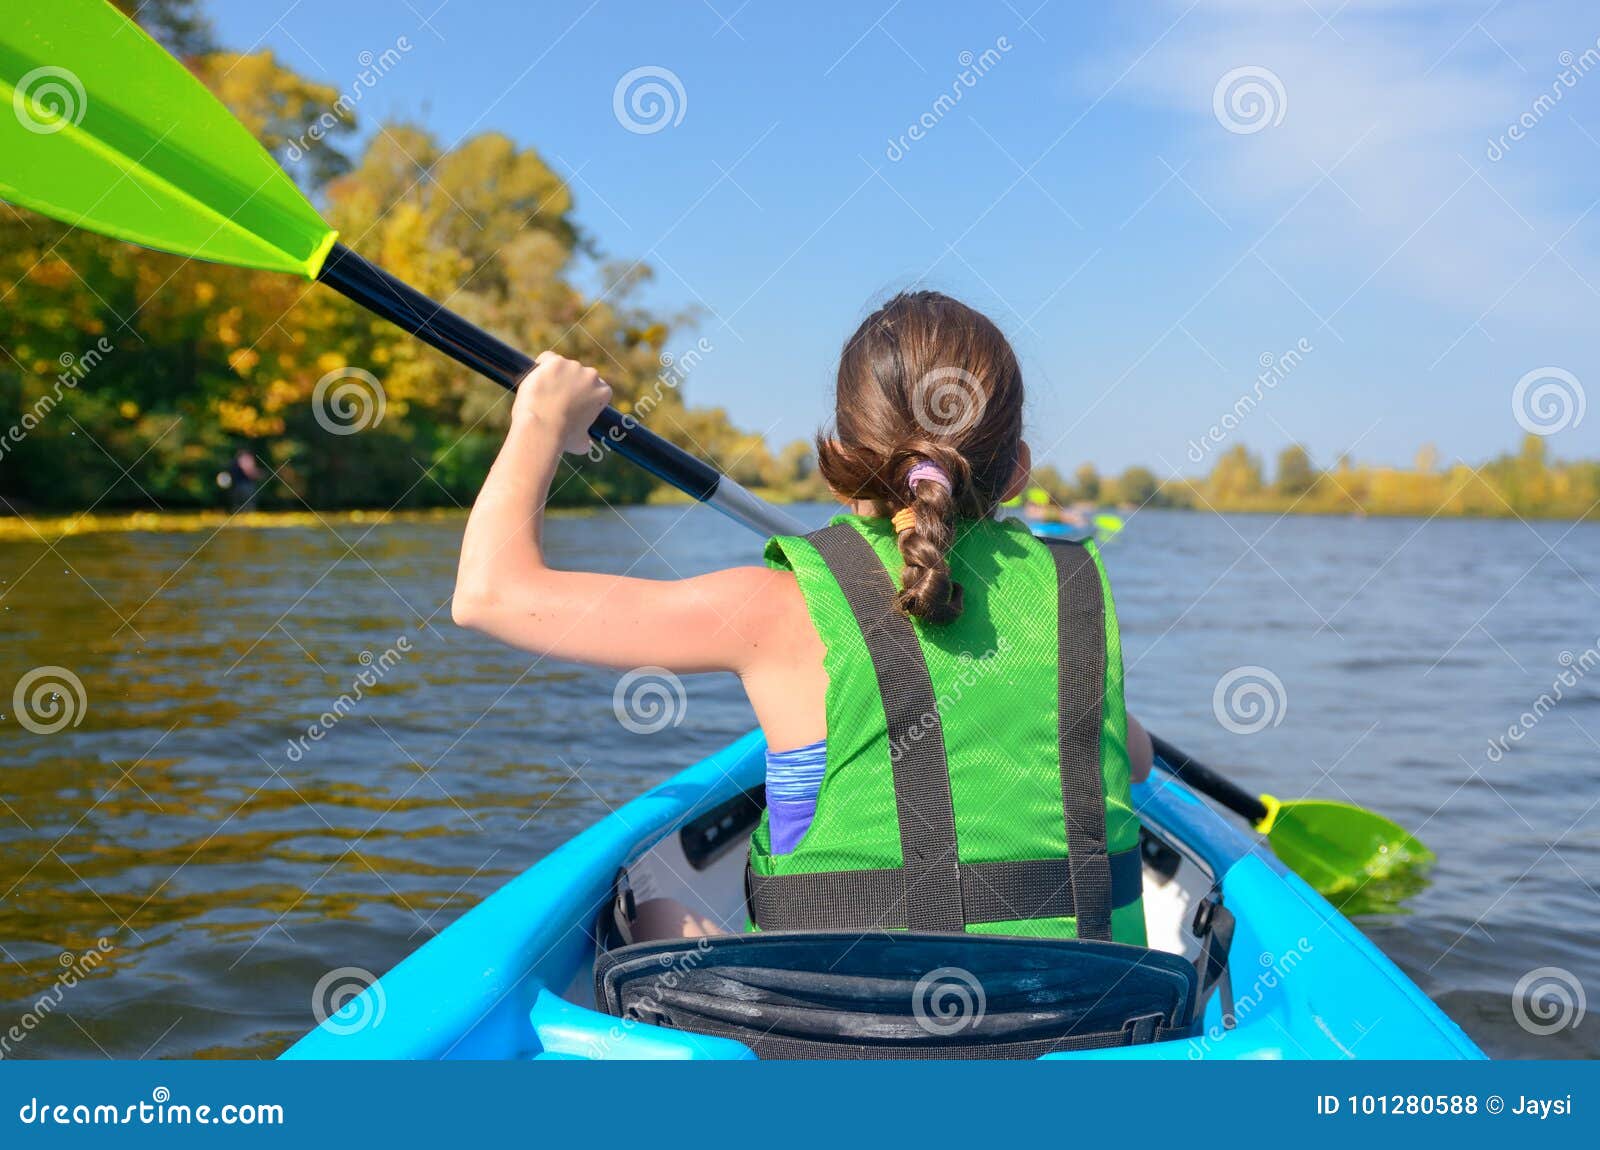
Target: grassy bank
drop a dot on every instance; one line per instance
(25, 529)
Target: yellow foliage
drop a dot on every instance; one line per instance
(245, 420)
(281, 394)
(1526, 485)
(484, 227)
(51, 273)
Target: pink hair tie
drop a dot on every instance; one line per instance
(930, 471)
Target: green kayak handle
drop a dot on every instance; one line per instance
(1209, 783)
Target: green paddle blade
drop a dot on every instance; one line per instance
(101, 128)
(1358, 860)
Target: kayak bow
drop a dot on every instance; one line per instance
(511, 979)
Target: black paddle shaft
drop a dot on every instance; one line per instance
(1205, 780)
(468, 344)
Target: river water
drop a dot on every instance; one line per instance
(202, 848)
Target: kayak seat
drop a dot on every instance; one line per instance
(827, 995)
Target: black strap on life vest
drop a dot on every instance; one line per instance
(934, 891)
(922, 801)
(877, 899)
(1081, 689)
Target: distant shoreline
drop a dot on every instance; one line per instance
(23, 528)
(28, 528)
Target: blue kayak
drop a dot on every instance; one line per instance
(1101, 529)
(1068, 531)
(515, 978)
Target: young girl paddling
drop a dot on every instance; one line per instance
(940, 691)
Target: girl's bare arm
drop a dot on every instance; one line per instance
(1141, 754)
(505, 588)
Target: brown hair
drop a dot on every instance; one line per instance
(925, 377)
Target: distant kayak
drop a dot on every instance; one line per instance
(1067, 531)
(537, 971)
(1099, 528)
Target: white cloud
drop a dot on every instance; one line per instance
(1389, 112)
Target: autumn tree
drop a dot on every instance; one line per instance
(1087, 486)
(1236, 477)
(1295, 474)
(1137, 485)
(208, 358)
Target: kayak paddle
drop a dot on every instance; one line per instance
(103, 130)
(1356, 858)
(1106, 526)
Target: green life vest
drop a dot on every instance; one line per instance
(977, 771)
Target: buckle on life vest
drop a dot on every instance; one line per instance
(1143, 1029)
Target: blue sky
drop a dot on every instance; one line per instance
(1143, 239)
